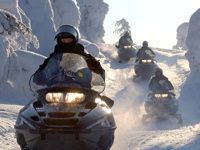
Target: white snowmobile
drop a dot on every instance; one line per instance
(68, 113)
(160, 106)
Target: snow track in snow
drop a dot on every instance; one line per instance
(129, 101)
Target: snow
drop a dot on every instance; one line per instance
(92, 17)
(62, 9)
(18, 64)
(181, 36)
(40, 13)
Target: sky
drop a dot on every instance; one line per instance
(153, 20)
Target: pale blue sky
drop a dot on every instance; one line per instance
(153, 20)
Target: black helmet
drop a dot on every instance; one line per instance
(145, 43)
(159, 70)
(126, 33)
(67, 31)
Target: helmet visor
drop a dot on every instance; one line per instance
(67, 29)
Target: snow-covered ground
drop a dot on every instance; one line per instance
(129, 100)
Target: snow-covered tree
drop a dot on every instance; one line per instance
(14, 36)
(17, 31)
(93, 13)
(65, 12)
(40, 13)
(189, 98)
(181, 36)
(193, 44)
(122, 26)
(13, 7)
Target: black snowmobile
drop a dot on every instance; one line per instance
(126, 51)
(68, 113)
(160, 106)
(145, 66)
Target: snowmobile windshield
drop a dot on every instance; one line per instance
(161, 86)
(146, 54)
(65, 71)
(127, 42)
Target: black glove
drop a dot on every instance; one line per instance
(94, 65)
(93, 62)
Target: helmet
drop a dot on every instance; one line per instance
(67, 31)
(159, 70)
(126, 33)
(145, 43)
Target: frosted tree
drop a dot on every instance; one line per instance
(93, 14)
(40, 13)
(13, 7)
(193, 44)
(16, 30)
(65, 12)
(181, 36)
(121, 27)
(14, 36)
(190, 91)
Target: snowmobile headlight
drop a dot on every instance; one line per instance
(144, 60)
(149, 61)
(158, 95)
(129, 46)
(161, 95)
(65, 97)
(164, 95)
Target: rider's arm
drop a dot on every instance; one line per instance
(138, 53)
(171, 87)
(94, 64)
(42, 66)
(151, 85)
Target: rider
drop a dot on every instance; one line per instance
(145, 50)
(159, 82)
(67, 42)
(126, 37)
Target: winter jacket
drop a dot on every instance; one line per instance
(93, 64)
(160, 84)
(145, 53)
(124, 40)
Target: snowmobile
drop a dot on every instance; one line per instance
(126, 51)
(68, 113)
(161, 106)
(145, 67)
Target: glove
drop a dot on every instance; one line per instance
(93, 62)
(94, 65)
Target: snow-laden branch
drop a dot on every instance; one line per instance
(16, 30)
